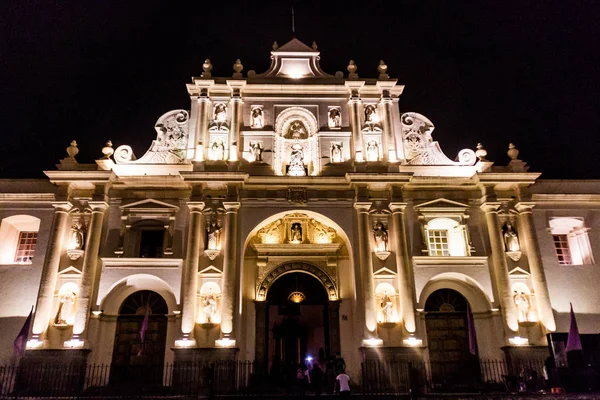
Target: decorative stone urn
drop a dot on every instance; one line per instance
(512, 152)
(108, 150)
(238, 67)
(72, 150)
(481, 152)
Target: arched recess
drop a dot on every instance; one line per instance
(299, 266)
(123, 288)
(463, 284)
(291, 114)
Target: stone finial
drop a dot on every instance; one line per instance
(275, 45)
(382, 69)
(512, 152)
(251, 73)
(314, 46)
(207, 67)
(238, 67)
(339, 74)
(72, 150)
(352, 68)
(481, 152)
(108, 150)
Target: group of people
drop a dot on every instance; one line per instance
(311, 375)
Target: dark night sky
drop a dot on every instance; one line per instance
(491, 71)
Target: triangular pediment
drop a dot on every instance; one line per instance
(70, 271)
(295, 45)
(441, 203)
(149, 205)
(210, 270)
(383, 272)
(518, 272)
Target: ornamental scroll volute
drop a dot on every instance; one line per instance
(170, 144)
(421, 149)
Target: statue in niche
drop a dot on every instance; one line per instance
(336, 152)
(297, 131)
(256, 120)
(77, 238)
(220, 113)
(296, 232)
(256, 151)
(296, 165)
(217, 150)
(522, 303)
(209, 302)
(371, 114)
(213, 235)
(372, 151)
(66, 308)
(381, 236)
(387, 308)
(511, 241)
(335, 118)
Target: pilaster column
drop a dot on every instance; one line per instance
(333, 315)
(234, 132)
(536, 267)
(189, 274)
(88, 269)
(365, 263)
(203, 115)
(499, 266)
(356, 147)
(389, 140)
(260, 338)
(56, 246)
(406, 288)
(230, 270)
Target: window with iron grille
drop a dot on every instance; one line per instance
(563, 252)
(26, 247)
(438, 242)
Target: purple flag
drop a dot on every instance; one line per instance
(573, 340)
(471, 332)
(143, 330)
(20, 342)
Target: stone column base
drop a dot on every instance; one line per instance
(194, 369)
(517, 356)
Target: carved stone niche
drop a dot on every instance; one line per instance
(147, 214)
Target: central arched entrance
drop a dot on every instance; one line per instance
(299, 319)
(140, 340)
(448, 339)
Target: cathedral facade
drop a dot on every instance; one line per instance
(292, 214)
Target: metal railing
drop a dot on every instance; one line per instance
(247, 378)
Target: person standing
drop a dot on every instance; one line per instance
(340, 364)
(343, 383)
(317, 379)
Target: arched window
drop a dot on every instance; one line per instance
(18, 239)
(446, 237)
(571, 241)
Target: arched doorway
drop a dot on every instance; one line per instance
(137, 361)
(448, 339)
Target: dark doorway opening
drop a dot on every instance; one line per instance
(136, 361)
(452, 363)
(298, 325)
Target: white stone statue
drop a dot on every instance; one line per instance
(372, 151)
(336, 152)
(213, 236)
(76, 240)
(296, 165)
(371, 114)
(296, 232)
(220, 113)
(381, 236)
(66, 308)
(522, 303)
(511, 241)
(335, 118)
(387, 308)
(217, 150)
(256, 151)
(256, 120)
(210, 306)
